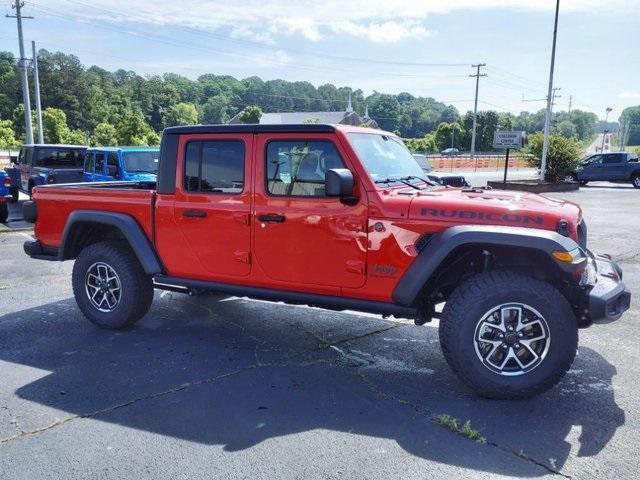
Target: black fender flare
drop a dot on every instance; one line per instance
(442, 244)
(126, 224)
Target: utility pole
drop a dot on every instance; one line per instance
(547, 117)
(606, 130)
(36, 82)
(23, 71)
(570, 102)
(477, 75)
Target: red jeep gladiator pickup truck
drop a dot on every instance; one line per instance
(338, 217)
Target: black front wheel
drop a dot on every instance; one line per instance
(110, 286)
(635, 180)
(508, 336)
(4, 212)
(15, 194)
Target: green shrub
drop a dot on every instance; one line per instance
(563, 155)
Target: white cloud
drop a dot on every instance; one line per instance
(378, 21)
(629, 95)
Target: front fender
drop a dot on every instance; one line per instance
(442, 244)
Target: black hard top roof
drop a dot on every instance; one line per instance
(252, 128)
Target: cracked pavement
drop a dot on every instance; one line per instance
(225, 387)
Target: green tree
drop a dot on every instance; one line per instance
(563, 156)
(251, 114)
(7, 136)
(448, 135)
(567, 129)
(104, 135)
(54, 125)
(216, 109)
(76, 137)
(181, 114)
(134, 130)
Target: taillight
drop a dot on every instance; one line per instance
(7, 182)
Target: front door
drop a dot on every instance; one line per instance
(613, 166)
(212, 205)
(593, 170)
(301, 235)
(89, 165)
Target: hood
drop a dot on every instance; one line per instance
(494, 207)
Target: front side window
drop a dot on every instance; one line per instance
(99, 162)
(59, 157)
(297, 168)
(88, 164)
(141, 162)
(386, 158)
(615, 158)
(112, 160)
(214, 166)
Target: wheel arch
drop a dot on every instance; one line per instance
(85, 227)
(447, 258)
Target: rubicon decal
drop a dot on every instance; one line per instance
(488, 216)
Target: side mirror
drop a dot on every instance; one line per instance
(338, 182)
(112, 170)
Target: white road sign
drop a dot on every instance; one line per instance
(508, 139)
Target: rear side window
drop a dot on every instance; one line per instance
(614, 158)
(55, 157)
(215, 166)
(112, 160)
(297, 168)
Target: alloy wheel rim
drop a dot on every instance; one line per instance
(103, 287)
(512, 339)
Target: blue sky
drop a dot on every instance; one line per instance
(420, 46)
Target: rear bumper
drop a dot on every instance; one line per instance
(609, 297)
(35, 249)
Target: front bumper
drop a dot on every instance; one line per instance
(609, 298)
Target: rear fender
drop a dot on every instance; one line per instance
(80, 220)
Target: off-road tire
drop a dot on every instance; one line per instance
(136, 286)
(635, 180)
(15, 194)
(4, 212)
(478, 295)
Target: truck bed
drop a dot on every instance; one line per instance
(133, 198)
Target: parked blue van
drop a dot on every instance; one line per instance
(105, 164)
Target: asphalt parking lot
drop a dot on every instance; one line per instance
(224, 387)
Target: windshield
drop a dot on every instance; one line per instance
(385, 157)
(141, 162)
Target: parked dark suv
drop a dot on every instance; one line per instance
(46, 164)
(612, 167)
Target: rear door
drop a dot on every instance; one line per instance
(212, 204)
(614, 166)
(301, 236)
(100, 174)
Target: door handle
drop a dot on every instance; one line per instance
(272, 218)
(194, 213)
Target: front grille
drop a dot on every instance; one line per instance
(582, 234)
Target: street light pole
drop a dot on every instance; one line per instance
(547, 117)
(36, 85)
(606, 120)
(475, 107)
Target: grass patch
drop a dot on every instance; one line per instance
(464, 429)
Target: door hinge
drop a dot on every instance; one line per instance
(242, 257)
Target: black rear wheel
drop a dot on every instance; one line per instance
(15, 194)
(507, 335)
(110, 286)
(635, 180)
